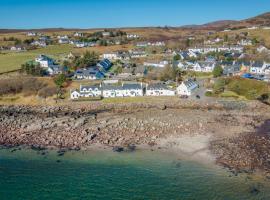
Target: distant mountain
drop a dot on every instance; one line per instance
(261, 20)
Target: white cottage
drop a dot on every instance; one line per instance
(44, 61)
(159, 90)
(75, 94)
(186, 88)
(204, 66)
(90, 91)
(125, 90)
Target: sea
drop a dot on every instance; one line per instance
(27, 174)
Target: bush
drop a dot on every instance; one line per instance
(219, 86)
(47, 91)
(218, 71)
(208, 94)
(27, 86)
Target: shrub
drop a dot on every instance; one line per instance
(47, 91)
(208, 94)
(218, 71)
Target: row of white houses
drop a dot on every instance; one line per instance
(186, 88)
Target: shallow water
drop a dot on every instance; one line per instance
(26, 174)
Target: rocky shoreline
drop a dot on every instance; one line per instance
(239, 138)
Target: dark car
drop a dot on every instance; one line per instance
(184, 96)
(198, 96)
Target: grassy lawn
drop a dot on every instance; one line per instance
(242, 88)
(143, 99)
(200, 74)
(231, 94)
(13, 60)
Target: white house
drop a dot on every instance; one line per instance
(157, 44)
(62, 37)
(253, 28)
(74, 94)
(17, 48)
(111, 56)
(142, 44)
(86, 92)
(261, 49)
(39, 43)
(137, 53)
(160, 64)
(44, 61)
(88, 74)
(204, 66)
(63, 41)
(78, 34)
(106, 34)
(32, 34)
(132, 36)
(125, 90)
(245, 42)
(54, 70)
(186, 88)
(258, 67)
(90, 91)
(159, 90)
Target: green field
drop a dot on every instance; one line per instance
(10, 61)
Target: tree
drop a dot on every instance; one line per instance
(219, 86)
(188, 43)
(218, 71)
(176, 57)
(88, 59)
(59, 81)
(33, 68)
(226, 38)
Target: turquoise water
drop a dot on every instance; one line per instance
(27, 174)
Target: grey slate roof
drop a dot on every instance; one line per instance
(134, 86)
(157, 86)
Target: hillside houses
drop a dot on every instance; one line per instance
(120, 55)
(88, 74)
(209, 49)
(232, 70)
(259, 67)
(78, 34)
(17, 48)
(204, 66)
(113, 89)
(105, 65)
(48, 64)
(39, 43)
(33, 34)
(160, 64)
(93, 72)
(44, 61)
(245, 42)
(153, 44)
(137, 53)
(133, 36)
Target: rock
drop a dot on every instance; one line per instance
(80, 122)
(131, 148)
(118, 149)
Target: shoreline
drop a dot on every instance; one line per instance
(206, 133)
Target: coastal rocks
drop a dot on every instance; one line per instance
(244, 153)
(121, 126)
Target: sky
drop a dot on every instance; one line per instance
(25, 14)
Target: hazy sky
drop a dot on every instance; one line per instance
(123, 13)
